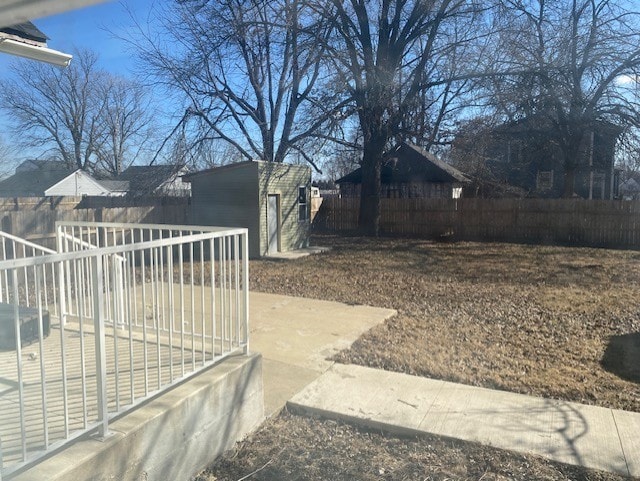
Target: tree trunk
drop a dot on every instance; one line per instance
(369, 219)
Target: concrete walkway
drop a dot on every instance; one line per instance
(296, 337)
(594, 437)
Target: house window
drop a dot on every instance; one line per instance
(598, 186)
(544, 181)
(302, 204)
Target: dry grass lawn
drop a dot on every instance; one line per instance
(543, 320)
(550, 321)
(302, 449)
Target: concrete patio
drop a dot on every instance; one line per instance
(295, 337)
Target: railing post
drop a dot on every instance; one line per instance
(62, 304)
(245, 288)
(99, 335)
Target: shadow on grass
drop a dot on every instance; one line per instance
(622, 356)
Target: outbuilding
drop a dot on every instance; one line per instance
(409, 171)
(270, 199)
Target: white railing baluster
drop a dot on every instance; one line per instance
(99, 337)
(245, 289)
(181, 273)
(16, 318)
(202, 305)
(213, 296)
(115, 299)
(43, 373)
(236, 261)
(193, 307)
(97, 276)
(172, 307)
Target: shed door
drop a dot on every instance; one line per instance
(273, 223)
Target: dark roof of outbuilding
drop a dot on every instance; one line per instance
(114, 185)
(32, 183)
(192, 175)
(145, 179)
(27, 31)
(410, 163)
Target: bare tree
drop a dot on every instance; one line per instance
(81, 115)
(127, 120)
(582, 59)
(8, 158)
(386, 57)
(245, 68)
(57, 109)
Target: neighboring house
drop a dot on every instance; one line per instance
(26, 33)
(26, 40)
(271, 199)
(165, 180)
(630, 189)
(52, 179)
(32, 183)
(410, 172)
(30, 165)
(80, 183)
(16, 10)
(523, 154)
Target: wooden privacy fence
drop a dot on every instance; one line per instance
(34, 218)
(599, 223)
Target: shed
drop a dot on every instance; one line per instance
(409, 171)
(270, 199)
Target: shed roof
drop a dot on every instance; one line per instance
(192, 175)
(239, 165)
(410, 163)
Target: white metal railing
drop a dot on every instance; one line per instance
(131, 311)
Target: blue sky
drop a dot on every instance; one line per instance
(96, 28)
(91, 27)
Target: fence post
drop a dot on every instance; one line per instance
(101, 357)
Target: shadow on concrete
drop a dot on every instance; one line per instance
(622, 356)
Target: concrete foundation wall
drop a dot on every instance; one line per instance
(171, 437)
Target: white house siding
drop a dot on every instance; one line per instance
(175, 186)
(78, 183)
